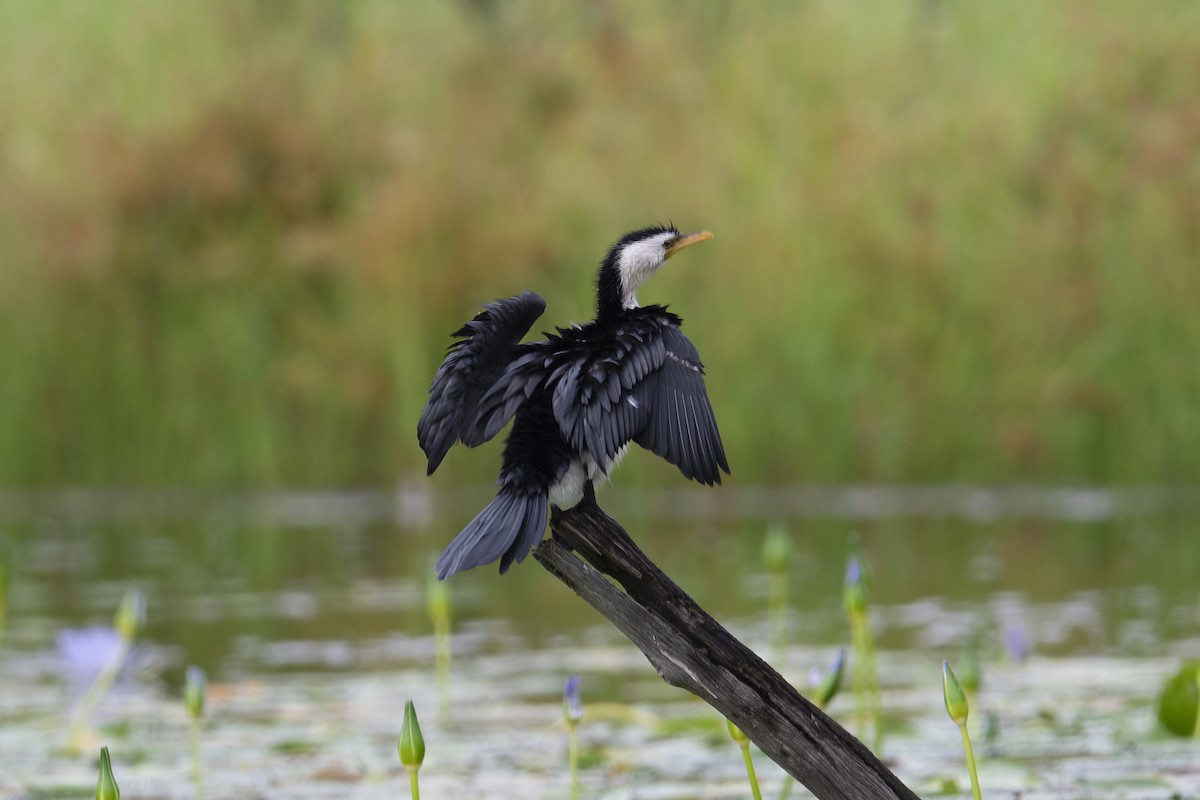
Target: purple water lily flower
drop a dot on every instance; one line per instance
(1016, 643)
(195, 690)
(572, 706)
(853, 571)
(86, 651)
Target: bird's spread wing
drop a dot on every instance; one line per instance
(486, 349)
(596, 398)
(680, 425)
(645, 384)
(523, 375)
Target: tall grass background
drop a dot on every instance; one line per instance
(954, 241)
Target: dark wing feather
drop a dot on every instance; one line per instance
(680, 425)
(496, 407)
(596, 400)
(644, 383)
(488, 346)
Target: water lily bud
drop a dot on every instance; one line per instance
(856, 552)
(777, 549)
(736, 734)
(854, 596)
(1179, 703)
(826, 685)
(412, 744)
(194, 691)
(106, 786)
(131, 615)
(956, 698)
(572, 706)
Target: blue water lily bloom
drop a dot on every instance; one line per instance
(195, 690)
(854, 594)
(853, 571)
(1016, 643)
(572, 705)
(84, 652)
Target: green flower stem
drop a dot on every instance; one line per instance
(442, 667)
(776, 556)
(197, 775)
(95, 693)
(414, 788)
(438, 602)
(750, 769)
(866, 680)
(743, 741)
(777, 612)
(962, 727)
(573, 757)
(860, 678)
(873, 676)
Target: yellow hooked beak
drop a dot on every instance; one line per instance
(686, 241)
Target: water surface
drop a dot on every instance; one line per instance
(308, 613)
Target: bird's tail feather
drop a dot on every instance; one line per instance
(506, 529)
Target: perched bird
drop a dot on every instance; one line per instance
(577, 399)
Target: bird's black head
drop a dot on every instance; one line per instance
(632, 259)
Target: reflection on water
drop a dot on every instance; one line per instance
(307, 612)
(292, 567)
(417, 505)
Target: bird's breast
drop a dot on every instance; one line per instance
(568, 490)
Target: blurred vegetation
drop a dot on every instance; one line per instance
(954, 241)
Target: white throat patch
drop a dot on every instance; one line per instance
(638, 261)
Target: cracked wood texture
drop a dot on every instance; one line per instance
(692, 651)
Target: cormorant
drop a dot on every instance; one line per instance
(579, 397)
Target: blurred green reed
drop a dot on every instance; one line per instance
(776, 558)
(437, 603)
(129, 620)
(195, 695)
(572, 716)
(953, 241)
(855, 599)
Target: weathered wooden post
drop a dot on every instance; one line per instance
(692, 651)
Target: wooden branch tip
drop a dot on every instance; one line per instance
(691, 650)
